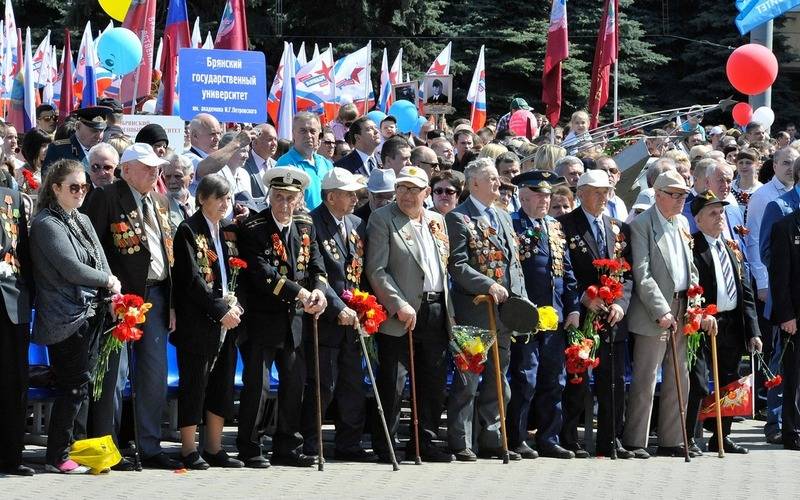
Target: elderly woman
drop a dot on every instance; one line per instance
(205, 320)
(72, 277)
(446, 187)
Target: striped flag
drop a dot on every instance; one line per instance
(288, 106)
(22, 113)
(477, 94)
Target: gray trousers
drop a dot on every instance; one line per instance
(651, 353)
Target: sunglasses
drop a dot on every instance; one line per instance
(77, 188)
(49, 118)
(108, 168)
(433, 166)
(447, 191)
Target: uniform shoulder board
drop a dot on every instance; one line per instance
(302, 219)
(61, 142)
(256, 220)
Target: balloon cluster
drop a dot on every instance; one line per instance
(751, 70)
(408, 118)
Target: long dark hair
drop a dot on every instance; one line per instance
(31, 145)
(56, 174)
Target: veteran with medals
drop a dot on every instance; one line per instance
(285, 278)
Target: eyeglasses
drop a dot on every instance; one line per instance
(675, 196)
(403, 189)
(49, 118)
(447, 191)
(434, 166)
(77, 188)
(96, 167)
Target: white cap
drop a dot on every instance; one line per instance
(715, 130)
(340, 178)
(413, 175)
(643, 201)
(144, 153)
(595, 178)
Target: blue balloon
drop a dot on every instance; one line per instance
(119, 51)
(376, 116)
(406, 114)
(421, 120)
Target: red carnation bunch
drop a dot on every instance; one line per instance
(580, 357)
(30, 180)
(370, 313)
(236, 265)
(695, 312)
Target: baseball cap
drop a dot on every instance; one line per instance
(142, 152)
(716, 130)
(520, 103)
(340, 178)
(413, 175)
(594, 178)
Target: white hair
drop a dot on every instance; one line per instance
(476, 167)
(102, 147)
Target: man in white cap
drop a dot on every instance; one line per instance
(132, 223)
(591, 235)
(285, 277)
(407, 255)
(340, 239)
(380, 189)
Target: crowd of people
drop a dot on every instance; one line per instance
(243, 244)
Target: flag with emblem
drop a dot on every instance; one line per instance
(441, 65)
(556, 52)
(276, 90)
(232, 32)
(605, 54)
(476, 95)
(734, 400)
(353, 81)
(314, 83)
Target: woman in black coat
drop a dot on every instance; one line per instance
(206, 318)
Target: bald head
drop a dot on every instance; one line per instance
(266, 141)
(425, 158)
(205, 132)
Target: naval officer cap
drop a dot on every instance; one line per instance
(537, 180)
(286, 178)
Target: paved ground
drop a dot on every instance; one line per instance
(768, 472)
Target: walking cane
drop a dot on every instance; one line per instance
(613, 395)
(720, 438)
(377, 396)
(137, 462)
(497, 373)
(681, 410)
(414, 416)
(320, 458)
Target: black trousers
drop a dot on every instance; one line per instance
(14, 341)
(72, 361)
(257, 360)
(791, 392)
(430, 368)
(206, 383)
(103, 417)
(341, 378)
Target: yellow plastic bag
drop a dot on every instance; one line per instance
(96, 453)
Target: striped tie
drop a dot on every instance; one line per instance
(727, 273)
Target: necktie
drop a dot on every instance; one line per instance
(370, 165)
(600, 238)
(147, 215)
(727, 273)
(342, 231)
(285, 235)
(490, 213)
(612, 208)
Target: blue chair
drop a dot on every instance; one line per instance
(172, 370)
(238, 383)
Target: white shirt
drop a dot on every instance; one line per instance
(430, 257)
(679, 267)
(223, 275)
(365, 161)
(263, 165)
(239, 179)
(724, 302)
(158, 259)
(755, 212)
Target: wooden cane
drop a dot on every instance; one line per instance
(497, 373)
(717, 388)
(681, 410)
(320, 458)
(414, 415)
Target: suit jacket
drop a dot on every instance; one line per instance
(468, 228)
(17, 288)
(775, 210)
(176, 215)
(255, 182)
(117, 221)
(344, 261)
(64, 149)
(276, 272)
(199, 307)
(352, 162)
(745, 320)
(363, 213)
(394, 263)
(784, 268)
(651, 263)
(440, 99)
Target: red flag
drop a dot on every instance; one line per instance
(67, 98)
(605, 54)
(232, 33)
(557, 50)
(141, 19)
(168, 77)
(734, 400)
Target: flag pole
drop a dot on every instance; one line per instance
(367, 77)
(616, 88)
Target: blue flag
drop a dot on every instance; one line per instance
(754, 13)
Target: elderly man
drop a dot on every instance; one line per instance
(663, 271)
(132, 223)
(615, 208)
(655, 169)
(177, 176)
(262, 150)
(88, 132)
(103, 161)
(285, 277)
(380, 192)
(478, 229)
(303, 155)
(425, 157)
(204, 134)
(407, 254)
(365, 138)
(443, 149)
(11, 147)
(396, 154)
(570, 168)
(719, 179)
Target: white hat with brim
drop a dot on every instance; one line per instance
(286, 178)
(143, 153)
(595, 178)
(342, 179)
(413, 175)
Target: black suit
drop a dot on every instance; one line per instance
(274, 325)
(353, 163)
(735, 328)
(438, 99)
(583, 249)
(15, 315)
(363, 212)
(341, 375)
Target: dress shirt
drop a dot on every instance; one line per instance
(223, 275)
(263, 165)
(481, 208)
(616, 208)
(430, 257)
(755, 212)
(238, 179)
(679, 268)
(724, 301)
(365, 160)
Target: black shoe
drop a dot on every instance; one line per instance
(792, 445)
(738, 419)
(673, 451)
(621, 452)
(124, 465)
(466, 455)
(556, 451)
(194, 461)
(434, 454)
(355, 455)
(17, 470)
(222, 459)
(776, 438)
(256, 462)
(293, 460)
(161, 461)
(639, 453)
(693, 448)
(498, 453)
(577, 449)
(728, 445)
(526, 451)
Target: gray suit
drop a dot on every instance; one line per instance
(653, 297)
(468, 228)
(256, 188)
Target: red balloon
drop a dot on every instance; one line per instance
(752, 68)
(742, 113)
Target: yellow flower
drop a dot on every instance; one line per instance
(548, 318)
(360, 295)
(473, 346)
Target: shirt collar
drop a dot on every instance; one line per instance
(261, 163)
(480, 206)
(199, 152)
(337, 221)
(364, 156)
(280, 226)
(214, 232)
(664, 222)
(591, 218)
(137, 196)
(778, 184)
(713, 241)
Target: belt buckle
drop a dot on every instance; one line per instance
(430, 296)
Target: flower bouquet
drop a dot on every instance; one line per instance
(370, 315)
(470, 346)
(694, 316)
(129, 311)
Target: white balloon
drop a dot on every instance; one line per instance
(149, 106)
(764, 115)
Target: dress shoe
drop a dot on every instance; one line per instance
(222, 459)
(776, 438)
(792, 445)
(640, 453)
(293, 460)
(256, 462)
(355, 455)
(161, 461)
(194, 461)
(124, 465)
(17, 470)
(556, 451)
(673, 451)
(434, 454)
(577, 449)
(498, 453)
(693, 448)
(622, 453)
(466, 455)
(526, 451)
(728, 446)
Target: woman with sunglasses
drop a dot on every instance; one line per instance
(71, 276)
(446, 188)
(34, 149)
